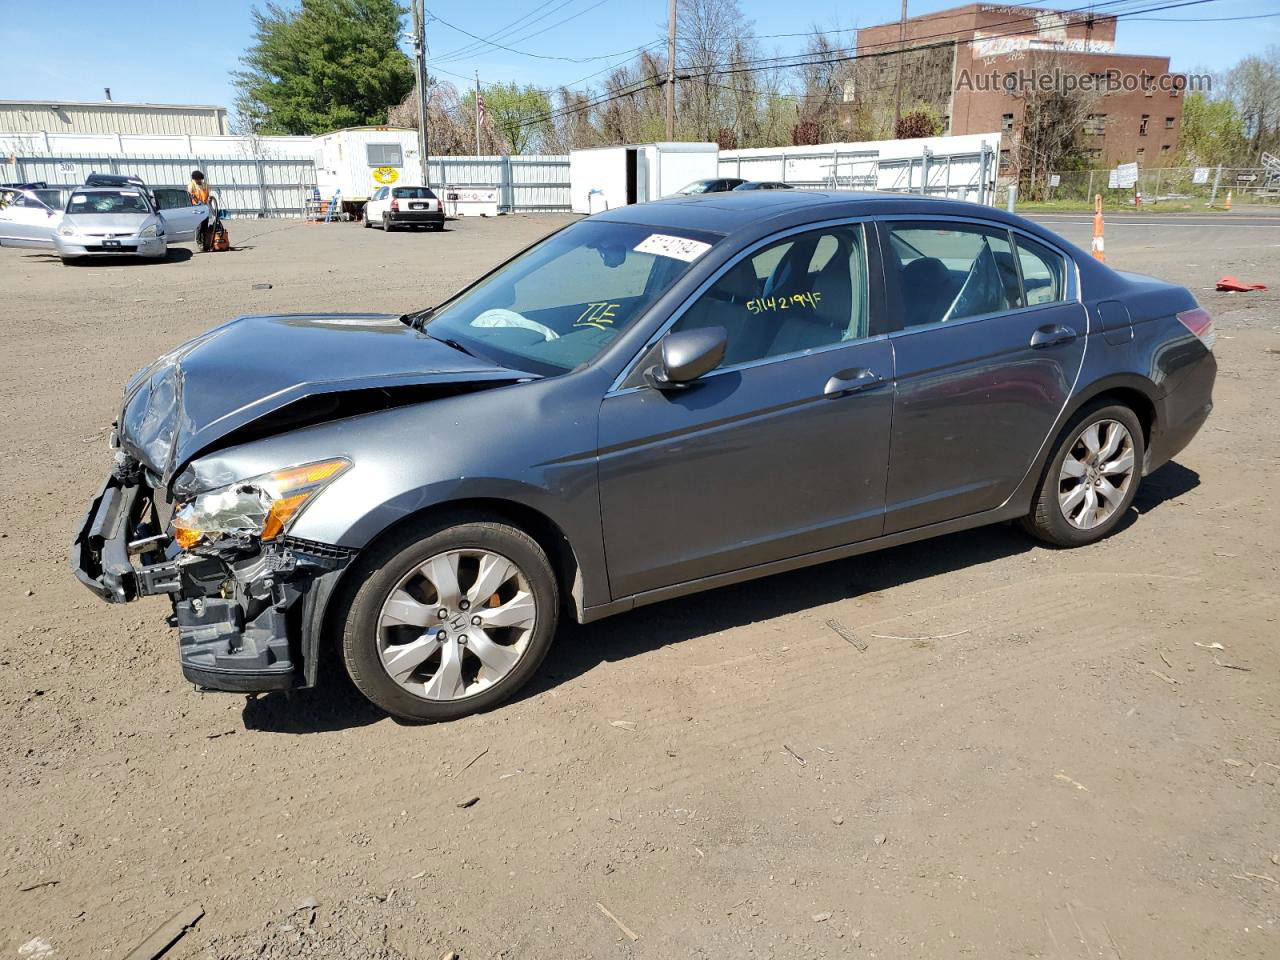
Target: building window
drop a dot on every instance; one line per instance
(1094, 154)
(1164, 148)
(1142, 127)
(1095, 124)
(1006, 122)
(1142, 152)
(384, 155)
(1168, 123)
(1148, 85)
(1006, 162)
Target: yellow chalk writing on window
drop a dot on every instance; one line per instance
(599, 315)
(784, 301)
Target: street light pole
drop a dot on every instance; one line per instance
(420, 75)
(897, 84)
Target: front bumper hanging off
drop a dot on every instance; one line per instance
(246, 621)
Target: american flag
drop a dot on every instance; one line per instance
(480, 105)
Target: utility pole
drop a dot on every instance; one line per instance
(897, 85)
(477, 113)
(671, 69)
(420, 74)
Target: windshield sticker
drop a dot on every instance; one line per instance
(128, 193)
(599, 315)
(784, 302)
(79, 198)
(677, 248)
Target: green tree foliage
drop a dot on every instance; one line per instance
(1212, 132)
(516, 114)
(325, 65)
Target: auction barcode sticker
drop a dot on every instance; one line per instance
(678, 248)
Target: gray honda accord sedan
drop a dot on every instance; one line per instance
(657, 400)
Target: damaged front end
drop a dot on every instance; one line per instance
(246, 597)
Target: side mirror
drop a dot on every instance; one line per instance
(686, 356)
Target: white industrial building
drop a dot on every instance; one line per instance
(112, 117)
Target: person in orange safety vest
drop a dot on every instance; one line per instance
(197, 188)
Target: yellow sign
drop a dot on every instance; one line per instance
(386, 175)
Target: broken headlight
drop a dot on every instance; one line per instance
(262, 507)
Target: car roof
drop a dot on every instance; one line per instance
(764, 211)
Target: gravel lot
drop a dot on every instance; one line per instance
(1070, 769)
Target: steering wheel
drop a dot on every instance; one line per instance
(501, 317)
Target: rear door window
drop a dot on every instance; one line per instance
(413, 193)
(949, 271)
(1043, 272)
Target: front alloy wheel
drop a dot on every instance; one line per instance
(450, 620)
(456, 625)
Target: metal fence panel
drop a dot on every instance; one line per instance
(267, 187)
(279, 187)
(526, 184)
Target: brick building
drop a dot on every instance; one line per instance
(963, 61)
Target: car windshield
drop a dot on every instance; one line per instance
(108, 201)
(559, 304)
(698, 186)
(413, 193)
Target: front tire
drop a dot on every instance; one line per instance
(451, 619)
(1092, 478)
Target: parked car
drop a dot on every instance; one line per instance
(713, 185)
(28, 217)
(651, 402)
(105, 222)
(404, 206)
(764, 185)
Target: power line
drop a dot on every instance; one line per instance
(525, 53)
(651, 82)
(514, 26)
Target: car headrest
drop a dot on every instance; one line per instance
(925, 272)
(740, 282)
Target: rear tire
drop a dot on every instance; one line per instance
(1091, 480)
(386, 223)
(394, 623)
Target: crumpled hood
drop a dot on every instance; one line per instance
(248, 368)
(127, 223)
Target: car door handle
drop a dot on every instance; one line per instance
(1052, 335)
(855, 380)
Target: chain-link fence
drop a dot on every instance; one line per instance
(1193, 186)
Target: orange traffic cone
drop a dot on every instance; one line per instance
(1228, 206)
(1097, 248)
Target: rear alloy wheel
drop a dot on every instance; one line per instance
(453, 623)
(1091, 480)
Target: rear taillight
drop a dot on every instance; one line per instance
(395, 206)
(1200, 323)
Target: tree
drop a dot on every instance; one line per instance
(518, 116)
(1253, 85)
(325, 65)
(1212, 132)
(1052, 121)
(917, 123)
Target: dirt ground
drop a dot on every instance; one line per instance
(1039, 754)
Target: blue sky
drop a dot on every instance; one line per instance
(147, 50)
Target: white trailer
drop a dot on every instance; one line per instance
(601, 178)
(359, 160)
